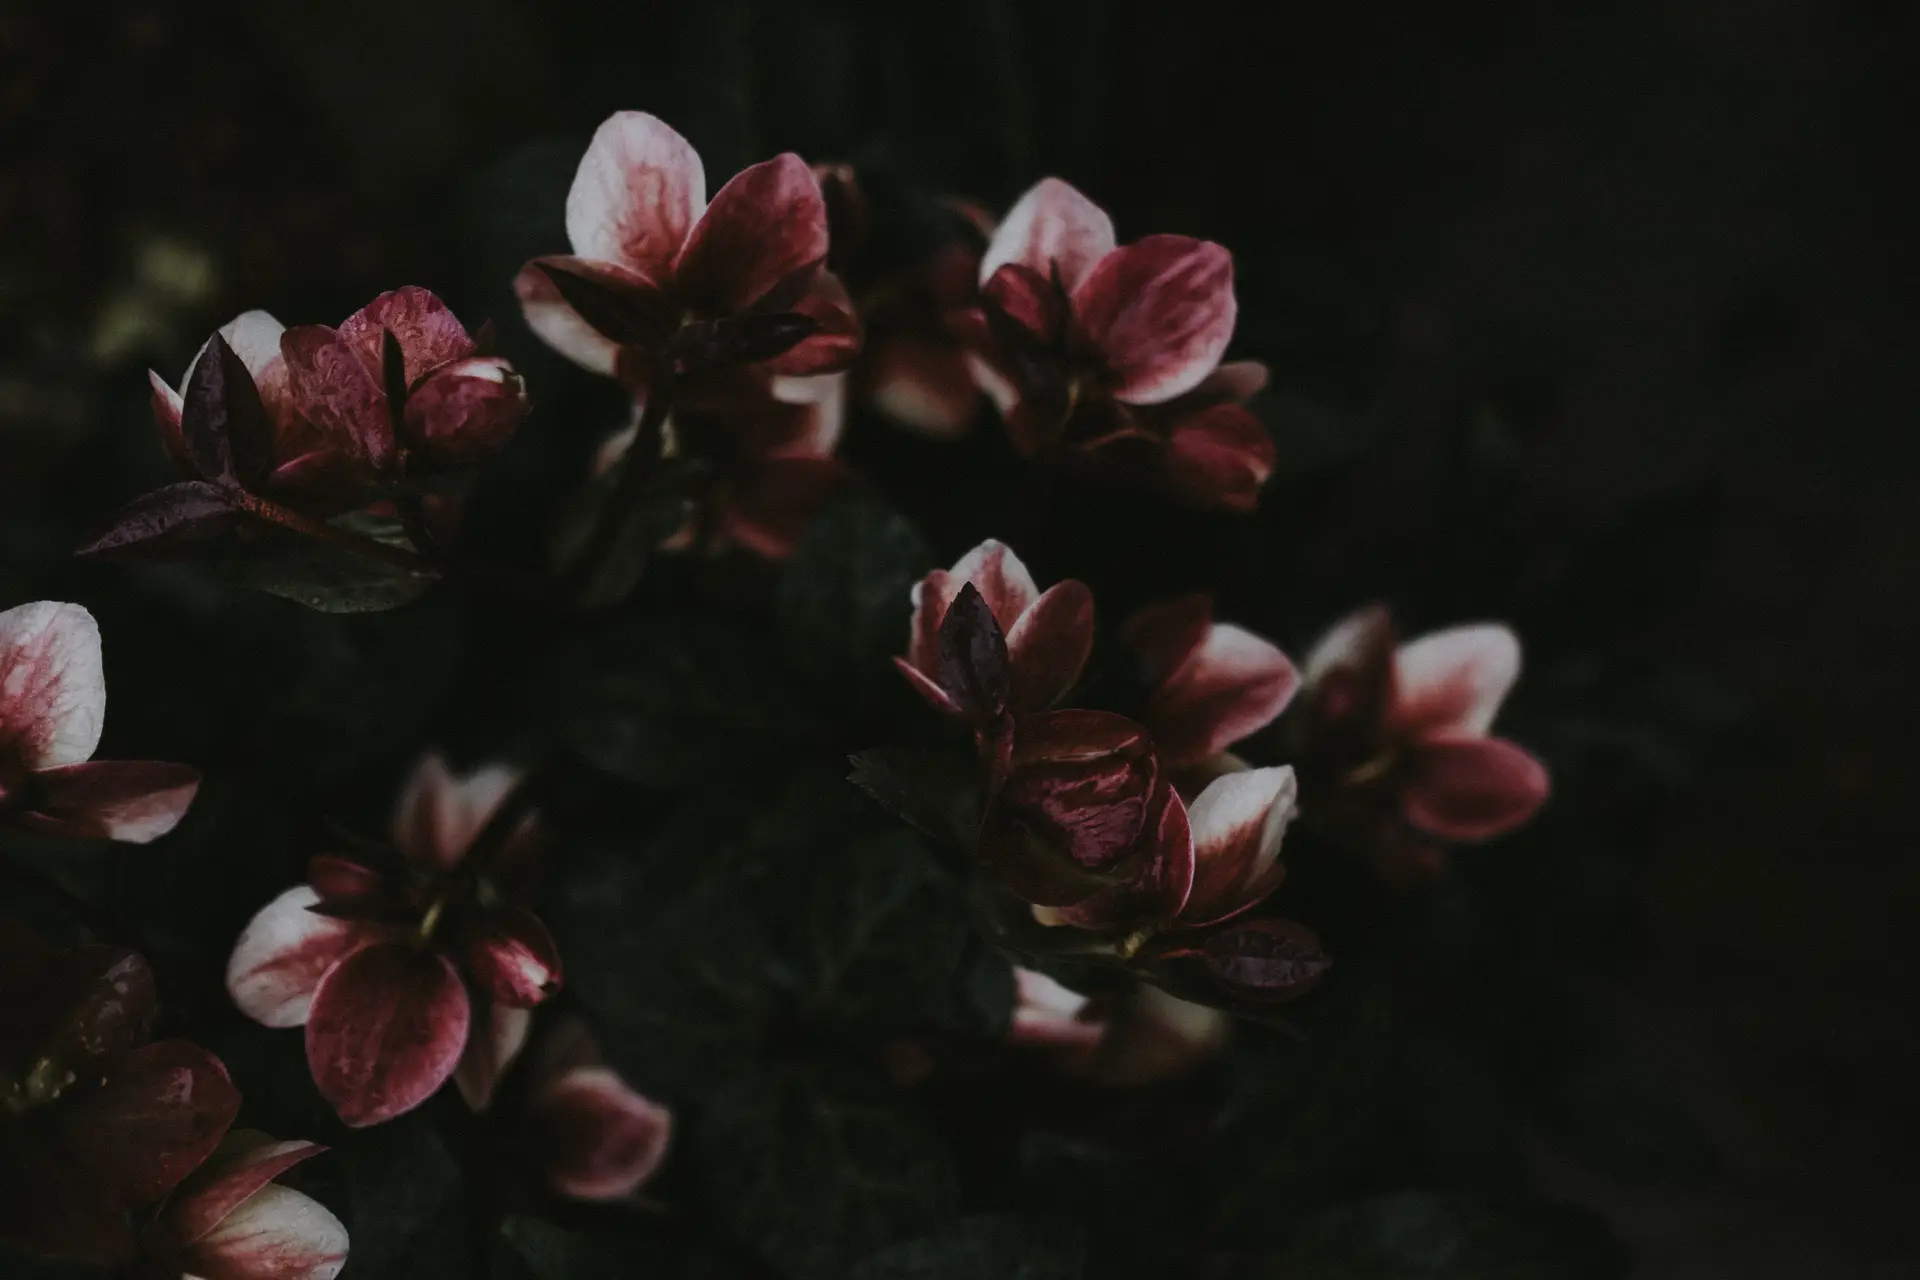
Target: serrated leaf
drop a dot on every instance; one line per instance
(817, 1165)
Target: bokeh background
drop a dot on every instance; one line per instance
(1613, 301)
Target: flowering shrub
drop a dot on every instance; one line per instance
(797, 907)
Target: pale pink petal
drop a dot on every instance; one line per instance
(1455, 680)
(825, 400)
(510, 956)
(554, 319)
(1357, 640)
(276, 1234)
(387, 1028)
(1232, 686)
(428, 332)
(167, 406)
(53, 689)
(498, 1034)
(441, 812)
(255, 338)
(245, 1161)
(1219, 457)
(929, 690)
(1046, 1013)
(1000, 578)
(284, 952)
(932, 596)
(1238, 823)
(1161, 313)
(1048, 647)
(638, 190)
(767, 223)
(599, 1139)
(1467, 787)
(923, 385)
(136, 801)
(1051, 226)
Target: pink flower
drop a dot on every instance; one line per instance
(1108, 358)
(660, 281)
(1210, 683)
(590, 1135)
(95, 1122)
(232, 1220)
(254, 337)
(1047, 635)
(399, 390)
(402, 976)
(1404, 732)
(53, 702)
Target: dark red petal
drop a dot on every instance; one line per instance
(164, 521)
(53, 689)
(1048, 647)
(334, 388)
(768, 222)
(161, 1111)
(222, 422)
(425, 327)
(1024, 297)
(973, 657)
(834, 341)
(498, 1034)
(387, 1028)
(245, 1162)
(337, 879)
(1233, 685)
(620, 305)
(1465, 787)
(1267, 960)
(466, 412)
(1082, 783)
(1168, 632)
(132, 800)
(1231, 383)
(556, 321)
(1161, 873)
(511, 957)
(1219, 457)
(598, 1139)
(1161, 312)
(75, 1009)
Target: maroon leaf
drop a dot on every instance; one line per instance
(160, 1112)
(164, 521)
(973, 657)
(630, 317)
(223, 425)
(1266, 959)
(393, 377)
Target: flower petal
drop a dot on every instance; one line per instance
(565, 329)
(160, 1112)
(1082, 781)
(53, 690)
(466, 412)
(277, 1234)
(441, 812)
(1000, 578)
(1048, 647)
(246, 1161)
(768, 222)
(1160, 871)
(167, 406)
(1167, 633)
(1046, 1013)
(137, 801)
(834, 343)
(498, 1034)
(335, 389)
(428, 332)
(1051, 226)
(1154, 1036)
(1238, 823)
(772, 510)
(599, 1139)
(1025, 314)
(1219, 457)
(921, 384)
(1230, 687)
(1161, 313)
(1350, 678)
(1455, 679)
(636, 194)
(510, 956)
(1466, 787)
(284, 952)
(387, 1028)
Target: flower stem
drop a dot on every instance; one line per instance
(636, 469)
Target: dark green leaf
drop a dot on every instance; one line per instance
(815, 1166)
(406, 1205)
(329, 578)
(844, 597)
(937, 792)
(1005, 1248)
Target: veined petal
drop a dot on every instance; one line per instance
(276, 1234)
(636, 194)
(766, 223)
(1238, 822)
(335, 389)
(1051, 226)
(137, 801)
(599, 1139)
(1159, 872)
(510, 955)
(1468, 787)
(466, 412)
(284, 952)
(428, 332)
(1048, 647)
(1455, 680)
(1161, 313)
(245, 1161)
(1230, 687)
(1082, 782)
(387, 1028)
(53, 689)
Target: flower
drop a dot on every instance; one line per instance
(1401, 735)
(1049, 1015)
(254, 339)
(590, 1136)
(95, 1122)
(1142, 1036)
(53, 702)
(1210, 684)
(400, 390)
(1047, 635)
(231, 1219)
(662, 282)
(405, 974)
(1108, 358)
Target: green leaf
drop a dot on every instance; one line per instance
(817, 1165)
(666, 701)
(406, 1203)
(1418, 1236)
(937, 792)
(1005, 1248)
(329, 578)
(845, 595)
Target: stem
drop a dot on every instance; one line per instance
(273, 513)
(636, 469)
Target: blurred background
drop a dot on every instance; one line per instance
(1612, 303)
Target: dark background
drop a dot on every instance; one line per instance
(1652, 252)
